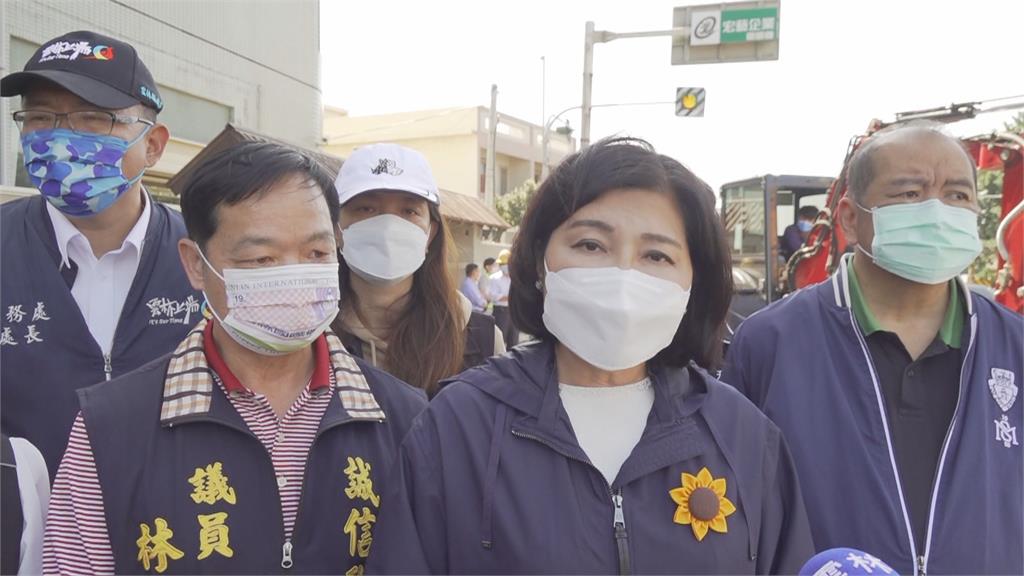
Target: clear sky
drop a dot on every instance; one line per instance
(841, 64)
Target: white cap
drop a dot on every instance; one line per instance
(385, 167)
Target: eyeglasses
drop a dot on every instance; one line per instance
(83, 121)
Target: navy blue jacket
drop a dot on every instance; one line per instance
(492, 480)
(804, 362)
(40, 373)
(154, 430)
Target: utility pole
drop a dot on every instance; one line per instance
(543, 116)
(588, 81)
(596, 37)
(492, 136)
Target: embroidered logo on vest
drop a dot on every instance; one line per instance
(1005, 433)
(1003, 390)
(164, 311)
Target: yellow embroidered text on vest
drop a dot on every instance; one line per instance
(157, 546)
(360, 485)
(211, 485)
(213, 535)
(359, 528)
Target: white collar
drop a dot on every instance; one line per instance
(66, 232)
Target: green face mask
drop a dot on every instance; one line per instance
(925, 242)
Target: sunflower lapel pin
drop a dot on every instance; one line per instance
(702, 504)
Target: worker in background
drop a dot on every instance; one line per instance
(499, 286)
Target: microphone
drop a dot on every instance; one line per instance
(846, 562)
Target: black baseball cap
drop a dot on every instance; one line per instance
(98, 69)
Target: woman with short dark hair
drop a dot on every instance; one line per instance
(605, 447)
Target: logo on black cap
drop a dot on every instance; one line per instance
(72, 50)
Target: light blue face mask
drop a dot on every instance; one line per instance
(925, 242)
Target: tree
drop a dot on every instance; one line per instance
(512, 206)
(990, 191)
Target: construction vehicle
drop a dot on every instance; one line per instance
(756, 211)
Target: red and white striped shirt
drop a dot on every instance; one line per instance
(76, 539)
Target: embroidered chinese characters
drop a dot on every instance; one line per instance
(209, 486)
(164, 311)
(155, 546)
(15, 316)
(359, 525)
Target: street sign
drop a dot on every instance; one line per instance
(689, 102)
(726, 32)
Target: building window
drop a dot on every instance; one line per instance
(503, 181)
(21, 53)
(191, 117)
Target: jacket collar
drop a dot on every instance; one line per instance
(840, 287)
(189, 386)
(66, 233)
(148, 234)
(526, 380)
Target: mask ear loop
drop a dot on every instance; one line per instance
(858, 246)
(133, 142)
(207, 308)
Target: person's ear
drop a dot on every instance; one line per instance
(847, 216)
(192, 262)
(156, 143)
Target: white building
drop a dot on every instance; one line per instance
(214, 62)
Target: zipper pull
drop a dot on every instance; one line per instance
(920, 566)
(621, 536)
(107, 368)
(620, 518)
(286, 554)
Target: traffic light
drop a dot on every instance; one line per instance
(689, 102)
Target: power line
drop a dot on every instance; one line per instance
(214, 44)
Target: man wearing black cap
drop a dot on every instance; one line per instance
(91, 283)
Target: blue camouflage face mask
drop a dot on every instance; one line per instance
(80, 174)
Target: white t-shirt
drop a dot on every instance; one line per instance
(608, 421)
(499, 287)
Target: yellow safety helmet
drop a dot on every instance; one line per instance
(503, 256)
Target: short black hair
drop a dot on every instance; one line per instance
(618, 163)
(241, 172)
(488, 261)
(809, 212)
(470, 268)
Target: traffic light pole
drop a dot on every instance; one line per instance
(546, 138)
(596, 37)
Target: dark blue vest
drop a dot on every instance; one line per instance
(47, 352)
(151, 453)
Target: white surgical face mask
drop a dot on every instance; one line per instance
(613, 318)
(278, 310)
(384, 249)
